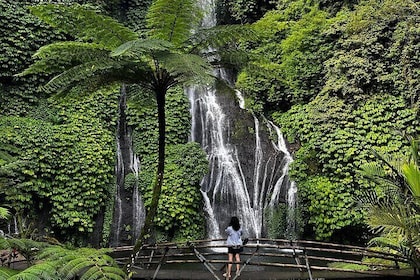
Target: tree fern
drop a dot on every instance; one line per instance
(137, 48)
(85, 24)
(6, 273)
(57, 262)
(45, 270)
(60, 56)
(173, 20)
(187, 68)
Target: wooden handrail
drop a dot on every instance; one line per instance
(302, 251)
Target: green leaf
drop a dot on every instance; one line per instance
(85, 24)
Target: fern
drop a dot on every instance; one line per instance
(85, 24)
(61, 263)
(173, 20)
(137, 48)
(60, 56)
(81, 73)
(187, 68)
(46, 270)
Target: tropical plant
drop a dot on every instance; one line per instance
(57, 262)
(107, 52)
(393, 210)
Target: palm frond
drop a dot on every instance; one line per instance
(390, 219)
(137, 48)
(392, 242)
(173, 20)
(412, 176)
(187, 68)
(85, 24)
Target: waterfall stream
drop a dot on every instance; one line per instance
(129, 211)
(248, 169)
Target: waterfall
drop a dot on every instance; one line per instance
(129, 212)
(248, 173)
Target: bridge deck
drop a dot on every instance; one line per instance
(406, 274)
(269, 259)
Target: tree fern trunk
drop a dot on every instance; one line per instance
(151, 213)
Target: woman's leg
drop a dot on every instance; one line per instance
(238, 263)
(229, 266)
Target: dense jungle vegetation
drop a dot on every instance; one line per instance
(340, 78)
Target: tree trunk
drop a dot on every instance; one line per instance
(151, 212)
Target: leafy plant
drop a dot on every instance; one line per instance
(393, 210)
(57, 262)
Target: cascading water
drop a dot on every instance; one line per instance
(248, 170)
(127, 224)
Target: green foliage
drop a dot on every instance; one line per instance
(57, 262)
(179, 214)
(84, 24)
(180, 207)
(337, 82)
(370, 56)
(22, 35)
(243, 11)
(180, 19)
(26, 247)
(393, 208)
(329, 206)
(291, 53)
(276, 222)
(331, 133)
(65, 169)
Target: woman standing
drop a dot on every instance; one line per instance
(234, 243)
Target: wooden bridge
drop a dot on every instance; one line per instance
(265, 259)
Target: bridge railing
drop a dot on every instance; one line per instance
(302, 255)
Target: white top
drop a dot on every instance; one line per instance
(234, 237)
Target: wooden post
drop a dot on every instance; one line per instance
(160, 263)
(308, 267)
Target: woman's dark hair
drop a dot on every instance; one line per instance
(234, 223)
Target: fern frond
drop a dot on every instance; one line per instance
(58, 57)
(6, 273)
(85, 24)
(173, 20)
(45, 270)
(104, 273)
(187, 68)
(81, 72)
(139, 47)
(4, 213)
(75, 266)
